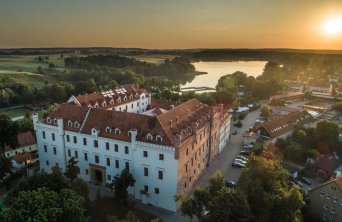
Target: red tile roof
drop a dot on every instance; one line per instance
(279, 126)
(164, 104)
(21, 157)
(24, 139)
(337, 181)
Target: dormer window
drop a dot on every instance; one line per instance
(131, 97)
(117, 131)
(159, 138)
(129, 133)
(48, 120)
(55, 121)
(76, 124)
(108, 129)
(111, 102)
(125, 98)
(118, 100)
(104, 104)
(96, 106)
(69, 123)
(149, 137)
(94, 132)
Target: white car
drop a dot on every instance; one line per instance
(241, 158)
(240, 161)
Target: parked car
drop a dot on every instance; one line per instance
(245, 152)
(238, 164)
(249, 146)
(241, 158)
(240, 161)
(305, 180)
(230, 183)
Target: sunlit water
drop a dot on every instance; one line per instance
(217, 69)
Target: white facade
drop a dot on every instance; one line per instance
(56, 146)
(224, 134)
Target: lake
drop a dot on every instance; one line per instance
(217, 69)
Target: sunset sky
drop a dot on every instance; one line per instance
(172, 23)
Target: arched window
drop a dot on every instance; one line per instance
(94, 132)
(69, 123)
(77, 124)
(159, 138)
(108, 129)
(117, 131)
(55, 121)
(48, 120)
(129, 133)
(149, 137)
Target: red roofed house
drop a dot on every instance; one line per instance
(166, 149)
(283, 126)
(326, 200)
(27, 147)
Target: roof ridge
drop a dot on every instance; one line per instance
(85, 119)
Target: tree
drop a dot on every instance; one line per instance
(5, 166)
(120, 185)
(265, 112)
(269, 195)
(51, 108)
(215, 202)
(47, 206)
(113, 84)
(72, 169)
(8, 132)
(327, 133)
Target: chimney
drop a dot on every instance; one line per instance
(172, 106)
(170, 122)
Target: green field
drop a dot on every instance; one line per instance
(27, 78)
(14, 112)
(156, 59)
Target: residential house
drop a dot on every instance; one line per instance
(326, 200)
(295, 86)
(291, 96)
(326, 165)
(249, 137)
(166, 150)
(320, 88)
(283, 126)
(283, 110)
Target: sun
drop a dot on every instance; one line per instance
(333, 26)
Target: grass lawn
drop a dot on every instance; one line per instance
(27, 78)
(105, 206)
(14, 112)
(156, 59)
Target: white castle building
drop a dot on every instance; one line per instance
(166, 150)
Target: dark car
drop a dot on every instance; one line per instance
(305, 180)
(245, 152)
(230, 183)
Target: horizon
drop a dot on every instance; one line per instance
(258, 24)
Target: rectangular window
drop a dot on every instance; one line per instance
(75, 139)
(187, 151)
(117, 164)
(96, 144)
(76, 154)
(145, 171)
(127, 165)
(47, 163)
(43, 134)
(116, 148)
(161, 156)
(86, 156)
(126, 150)
(45, 148)
(86, 171)
(146, 188)
(53, 136)
(54, 150)
(107, 146)
(69, 153)
(145, 154)
(108, 161)
(160, 175)
(85, 141)
(156, 190)
(186, 167)
(67, 138)
(108, 177)
(97, 159)
(132, 105)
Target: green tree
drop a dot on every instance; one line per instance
(5, 166)
(293, 151)
(120, 185)
(265, 111)
(45, 205)
(72, 169)
(327, 133)
(113, 84)
(269, 195)
(215, 202)
(8, 132)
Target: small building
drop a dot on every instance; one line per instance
(326, 200)
(283, 126)
(249, 137)
(320, 88)
(325, 166)
(293, 168)
(23, 158)
(291, 96)
(283, 110)
(295, 86)
(26, 144)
